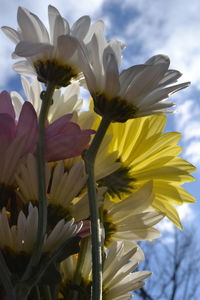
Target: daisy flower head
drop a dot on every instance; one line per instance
(131, 219)
(62, 189)
(65, 189)
(53, 57)
(17, 240)
(119, 275)
(146, 153)
(135, 92)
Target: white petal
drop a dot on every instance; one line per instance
(128, 75)
(159, 59)
(59, 29)
(27, 49)
(160, 94)
(95, 28)
(42, 31)
(24, 67)
(112, 85)
(53, 13)
(116, 47)
(145, 82)
(67, 45)
(12, 34)
(81, 27)
(170, 77)
(30, 29)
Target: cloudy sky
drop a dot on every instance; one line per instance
(147, 27)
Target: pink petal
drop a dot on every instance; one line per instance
(7, 127)
(85, 229)
(69, 143)
(28, 126)
(58, 126)
(6, 106)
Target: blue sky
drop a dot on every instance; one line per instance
(147, 27)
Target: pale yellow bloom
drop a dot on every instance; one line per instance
(150, 154)
(22, 236)
(119, 275)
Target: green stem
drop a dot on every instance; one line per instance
(89, 158)
(42, 202)
(81, 259)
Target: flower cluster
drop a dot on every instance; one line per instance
(79, 189)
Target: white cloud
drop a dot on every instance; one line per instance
(169, 27)
(187, 121)
(193, 152)
(173, 28)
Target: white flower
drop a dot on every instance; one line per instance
(131, 219)
(22, 236)
(65, 101)
(63, 186)
(135, 92)
(54, 57)
(119, 278)
(64, 189)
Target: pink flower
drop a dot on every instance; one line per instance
(16, 138)
(65, 139)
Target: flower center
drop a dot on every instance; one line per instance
(109, 227)
(116, 109)
(53, 71)
(118, 182)
(83, 290)
(6, 193)
(16, 262)
(57, 213)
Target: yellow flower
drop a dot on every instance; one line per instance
(146, 153)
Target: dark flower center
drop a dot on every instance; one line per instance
(109, 227)
(116, 109)
(118, 182)
(53, 71)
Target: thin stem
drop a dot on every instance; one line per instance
(81, 259)
(89, 158)
(42, 203)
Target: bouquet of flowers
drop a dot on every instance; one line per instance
(79, 187)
